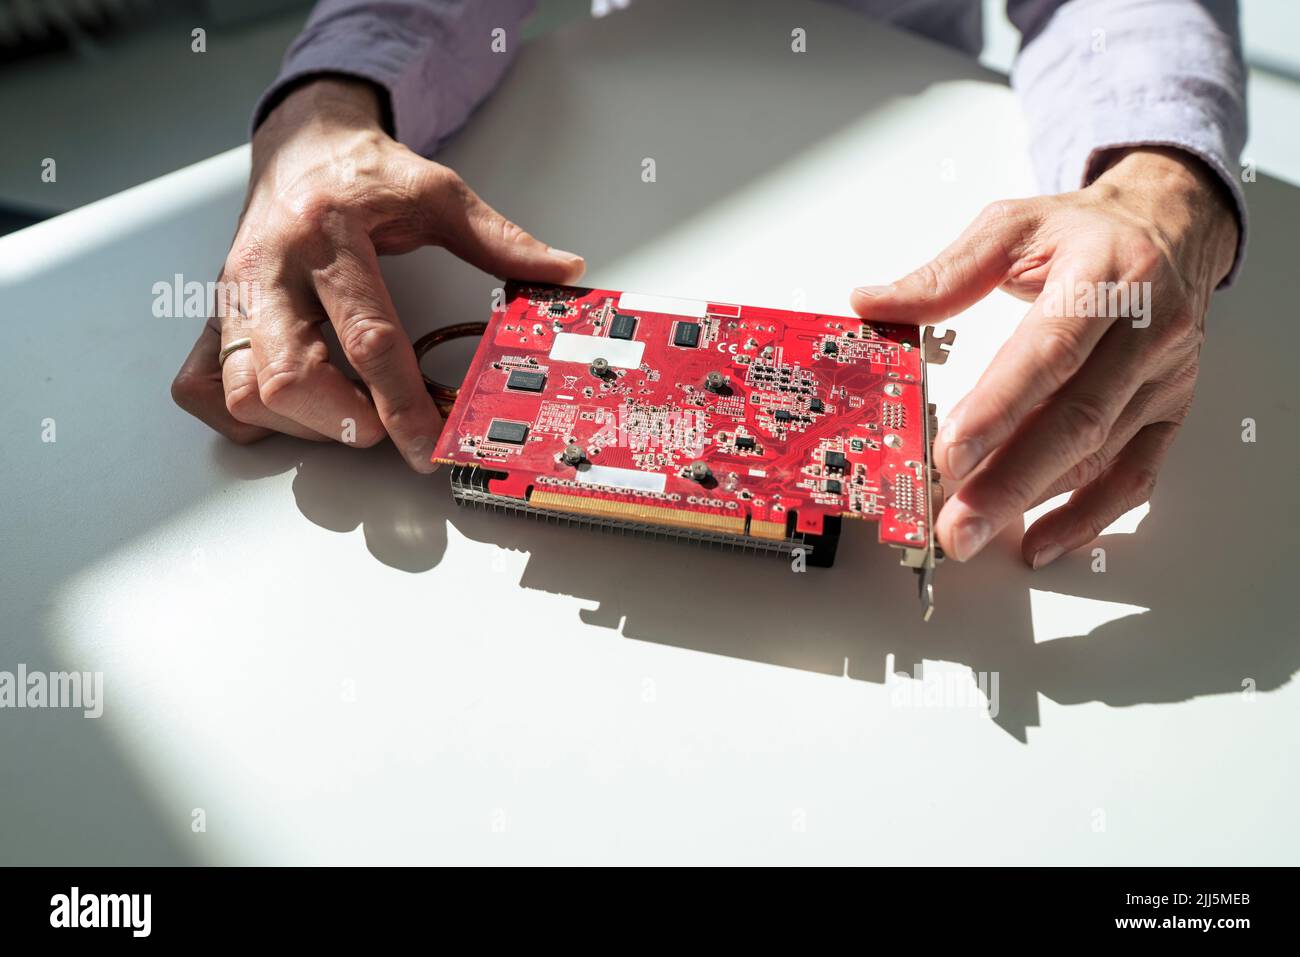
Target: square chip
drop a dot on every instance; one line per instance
(816, 405)
(687, 335)
(526, 381)
(623, 327)
(512, 432)
(836, 460)
(833, 486)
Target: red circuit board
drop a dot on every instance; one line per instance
(797, 417)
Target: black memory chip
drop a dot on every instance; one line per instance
(502, 431)
(526, 381)
(623, 327)
(687, 335)
(836, 460)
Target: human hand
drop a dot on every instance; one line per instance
(329, 193)
(1087, 403)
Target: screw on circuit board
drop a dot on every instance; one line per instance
(573, 455)
(715, 381)
(699, 471)
(600, 367)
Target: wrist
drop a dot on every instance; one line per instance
(1185, 200)
(322, 104)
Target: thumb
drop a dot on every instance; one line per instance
(477, 233)
(979, 261)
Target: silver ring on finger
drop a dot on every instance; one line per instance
(233, 346)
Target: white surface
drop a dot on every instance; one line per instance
(314, 646)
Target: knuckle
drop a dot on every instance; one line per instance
(445, 183)
(279, 383)
(186, 387)
(316, 210)
(1062, 349)
(243, 436)
(1182, 326)
(1012, 488)
(931, 280)
(1087, 469)
(400, 406)
(243, 401)
(1142, 485)
(512, 233)
(448, 180)
(245, 259)
(1086, 423)
(1144, 257)
(369, 436)
(1000, 211)
(370, 342)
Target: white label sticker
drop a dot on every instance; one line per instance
(641, 302)
(623, 478)
(620, 353)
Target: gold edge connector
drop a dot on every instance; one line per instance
(634, 512)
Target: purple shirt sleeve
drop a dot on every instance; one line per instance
(1093, 75)
(438, 59)
(1099, 74)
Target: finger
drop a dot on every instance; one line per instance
(296, 380)
(991, 250)
(1073, 425)
(478, 234)
(1124, 485)
(243, 399)
(1044, 352)
(1153, 402)
(198, 390)
(353, 293)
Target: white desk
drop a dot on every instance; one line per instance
(320, 650)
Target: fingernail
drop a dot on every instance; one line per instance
(969, 537)
(563, 254)
(964, 456)
(872, 291)
(1046, 555)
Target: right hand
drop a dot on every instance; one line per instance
(329, 193)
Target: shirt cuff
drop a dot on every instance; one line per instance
(1213, 159)
(1179, 84)
(369, 48)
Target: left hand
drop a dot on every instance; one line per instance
(1076, 400)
